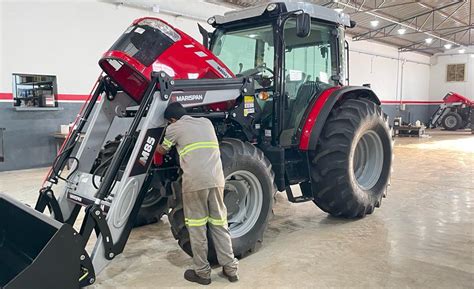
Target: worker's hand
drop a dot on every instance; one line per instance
(161, 150)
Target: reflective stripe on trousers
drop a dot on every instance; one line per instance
(204, 221)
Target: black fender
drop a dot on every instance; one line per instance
(321, 114)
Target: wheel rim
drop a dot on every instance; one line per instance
(243, 197)
(151, 198)
(368, 160)
(450, 121)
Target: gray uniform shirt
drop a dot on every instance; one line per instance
(199, 154)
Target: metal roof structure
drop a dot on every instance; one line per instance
(426, 26)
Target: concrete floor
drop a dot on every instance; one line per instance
(421, 237)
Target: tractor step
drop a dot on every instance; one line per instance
(301, 199)
(298, 199)
(296, 170)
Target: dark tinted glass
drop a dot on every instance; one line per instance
(143, 43)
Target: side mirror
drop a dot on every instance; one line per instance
(205, 36)
(303, 25)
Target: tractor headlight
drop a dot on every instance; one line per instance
(164, 28)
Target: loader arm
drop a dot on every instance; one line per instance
(111, 209)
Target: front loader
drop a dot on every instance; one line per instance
(270, 78)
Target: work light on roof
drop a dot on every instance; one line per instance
(211, 20)
(271, 7)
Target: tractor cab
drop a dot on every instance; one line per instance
(294, 51)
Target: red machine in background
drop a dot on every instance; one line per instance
(454, 113)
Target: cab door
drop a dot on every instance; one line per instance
(310, 67)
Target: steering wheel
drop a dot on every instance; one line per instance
(256, 70)
(263, 81)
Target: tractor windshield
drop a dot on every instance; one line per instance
(247, 52)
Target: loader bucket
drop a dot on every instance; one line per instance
(36, 251)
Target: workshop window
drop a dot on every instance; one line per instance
(31, 90)
(456, 72)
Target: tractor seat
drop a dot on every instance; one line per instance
(303, 97)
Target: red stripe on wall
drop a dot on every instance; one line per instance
(61, 97)
(80, 97)
(83, 97)
(6, 96)
(425, 102)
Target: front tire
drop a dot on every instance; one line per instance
(452, 121)
(154, 205)
(351, 165)
(248, 197)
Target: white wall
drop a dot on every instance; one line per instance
(1, 45)
(438, 84)
(391, 75)
(67, 38)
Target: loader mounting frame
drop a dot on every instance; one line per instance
(100, 211)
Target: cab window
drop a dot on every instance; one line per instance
(310, 67)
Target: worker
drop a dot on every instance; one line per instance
(203, 191)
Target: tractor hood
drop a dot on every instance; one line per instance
(151, 44)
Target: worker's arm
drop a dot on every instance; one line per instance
(168, 141)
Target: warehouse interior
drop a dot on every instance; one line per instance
(417, 56)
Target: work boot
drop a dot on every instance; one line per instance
(231, 278)
(191, 276)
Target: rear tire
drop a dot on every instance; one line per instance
(246, 169)
(351, 165)
(452, 121)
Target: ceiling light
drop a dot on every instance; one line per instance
(472, 55)
(253, 35)
(374, 23)
(462, 50)
(338, 10)
(448, 45)
(401, 31)
(429, 40)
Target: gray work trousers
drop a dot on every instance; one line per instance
(203, 209)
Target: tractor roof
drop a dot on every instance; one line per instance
(315, 11)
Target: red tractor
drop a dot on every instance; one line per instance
(454, 113)
(268, 77)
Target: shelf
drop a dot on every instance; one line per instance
(36, 82)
